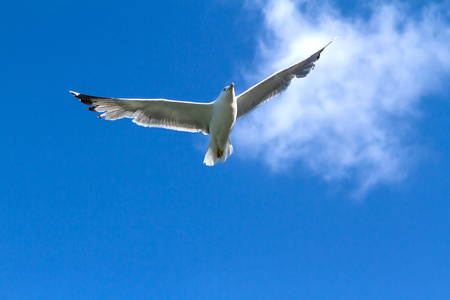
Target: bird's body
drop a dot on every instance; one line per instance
(223, 117)
(216, 118)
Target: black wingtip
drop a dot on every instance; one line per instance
(320, 51)
(85, 99)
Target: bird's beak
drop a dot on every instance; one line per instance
(231, 86)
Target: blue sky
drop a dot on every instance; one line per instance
(336, 189)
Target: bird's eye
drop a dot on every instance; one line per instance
(224, 89)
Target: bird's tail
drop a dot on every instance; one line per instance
(214, 154)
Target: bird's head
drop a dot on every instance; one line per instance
(228, 92)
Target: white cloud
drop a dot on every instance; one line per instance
(353, 116)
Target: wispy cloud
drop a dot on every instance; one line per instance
(352, 117)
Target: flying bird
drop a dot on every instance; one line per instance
(216, 118)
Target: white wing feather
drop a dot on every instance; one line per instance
(275, 84)
(177, 115)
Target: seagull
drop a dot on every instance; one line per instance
(216, 118)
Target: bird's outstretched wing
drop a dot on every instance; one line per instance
(274, 84)
(177, 115)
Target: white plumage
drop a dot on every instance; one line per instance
(216, 118)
